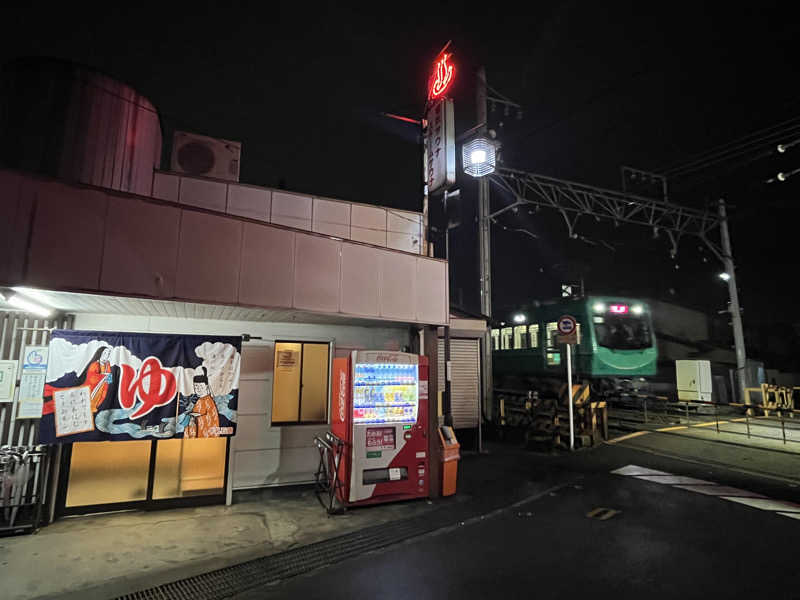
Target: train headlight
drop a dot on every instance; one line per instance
(599, 307)
(637, 309)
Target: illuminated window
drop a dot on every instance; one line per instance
(551, 330)
(495, 339)
(300, 383)
(506, 337)
(520, 337)
(533, 336)
(551, 344)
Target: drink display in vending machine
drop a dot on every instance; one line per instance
(380, 410)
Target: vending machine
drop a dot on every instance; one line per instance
(380, 409)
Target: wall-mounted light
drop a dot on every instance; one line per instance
(599, 307)
(19, 301)
(22, 303)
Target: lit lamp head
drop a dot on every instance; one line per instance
(725, 276)
(520, 318)
(479, 156)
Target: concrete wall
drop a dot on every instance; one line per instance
(262, 455)
(66, 237)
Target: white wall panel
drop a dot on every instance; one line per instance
(361, 272)
(66, 243)
(316, 273)
(431, 299)
(250, 202)
(203, 193)
(209, 254)
(165, 186)
(398, 285)
(140, 253)
(267, 277)
(291, 210)
(368, 224)
(252, 395)
(331, 218)
(261, 468)
(404, 231)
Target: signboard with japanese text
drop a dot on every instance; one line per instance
(8, 373)
(31, 382)
(109, 386)
(440, 145)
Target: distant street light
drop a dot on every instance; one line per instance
(725, 276)
(479, 156)
(519, 318)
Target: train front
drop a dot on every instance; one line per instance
(623, 340)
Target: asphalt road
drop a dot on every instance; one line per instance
(664, 542)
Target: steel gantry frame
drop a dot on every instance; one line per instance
(575, 200)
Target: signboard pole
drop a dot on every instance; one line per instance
(569, 391)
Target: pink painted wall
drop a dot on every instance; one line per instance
(68, 237)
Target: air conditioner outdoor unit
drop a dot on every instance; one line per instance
(195, 154)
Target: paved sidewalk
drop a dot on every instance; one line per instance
(103, 556)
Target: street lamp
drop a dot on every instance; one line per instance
(519, 318)
(479, 156)
(725, 276)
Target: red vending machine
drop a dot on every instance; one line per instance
(380, 409)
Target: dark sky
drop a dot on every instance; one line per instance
(602, 85)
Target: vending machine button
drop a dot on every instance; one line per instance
(407, 435)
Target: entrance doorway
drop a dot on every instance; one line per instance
(144, 474)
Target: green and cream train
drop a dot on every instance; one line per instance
(616, 344)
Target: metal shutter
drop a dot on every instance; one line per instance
(465, 384)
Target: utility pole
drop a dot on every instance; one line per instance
(736, 314)
(485, 241)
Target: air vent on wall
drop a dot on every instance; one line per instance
(195, 154)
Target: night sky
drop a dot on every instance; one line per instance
(601, 85)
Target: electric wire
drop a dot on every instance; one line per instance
(722, 147)
(769, 145)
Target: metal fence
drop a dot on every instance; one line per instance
(764, 421)
(24, 466)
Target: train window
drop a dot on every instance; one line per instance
(520, 337)
(623, 332)
(506, 334)
(551, 331)
(495, 339)
(533, 336)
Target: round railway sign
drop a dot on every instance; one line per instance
(567, 325)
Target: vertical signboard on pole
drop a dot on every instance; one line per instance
(440, 145)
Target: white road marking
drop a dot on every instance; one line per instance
(790, 515)
(634, 470)
(709, 488)
(674, 480)
(719, 490)
(765, 503)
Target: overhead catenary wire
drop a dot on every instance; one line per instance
(733, 149)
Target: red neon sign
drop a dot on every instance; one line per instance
(619, 309)
(442, 76)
